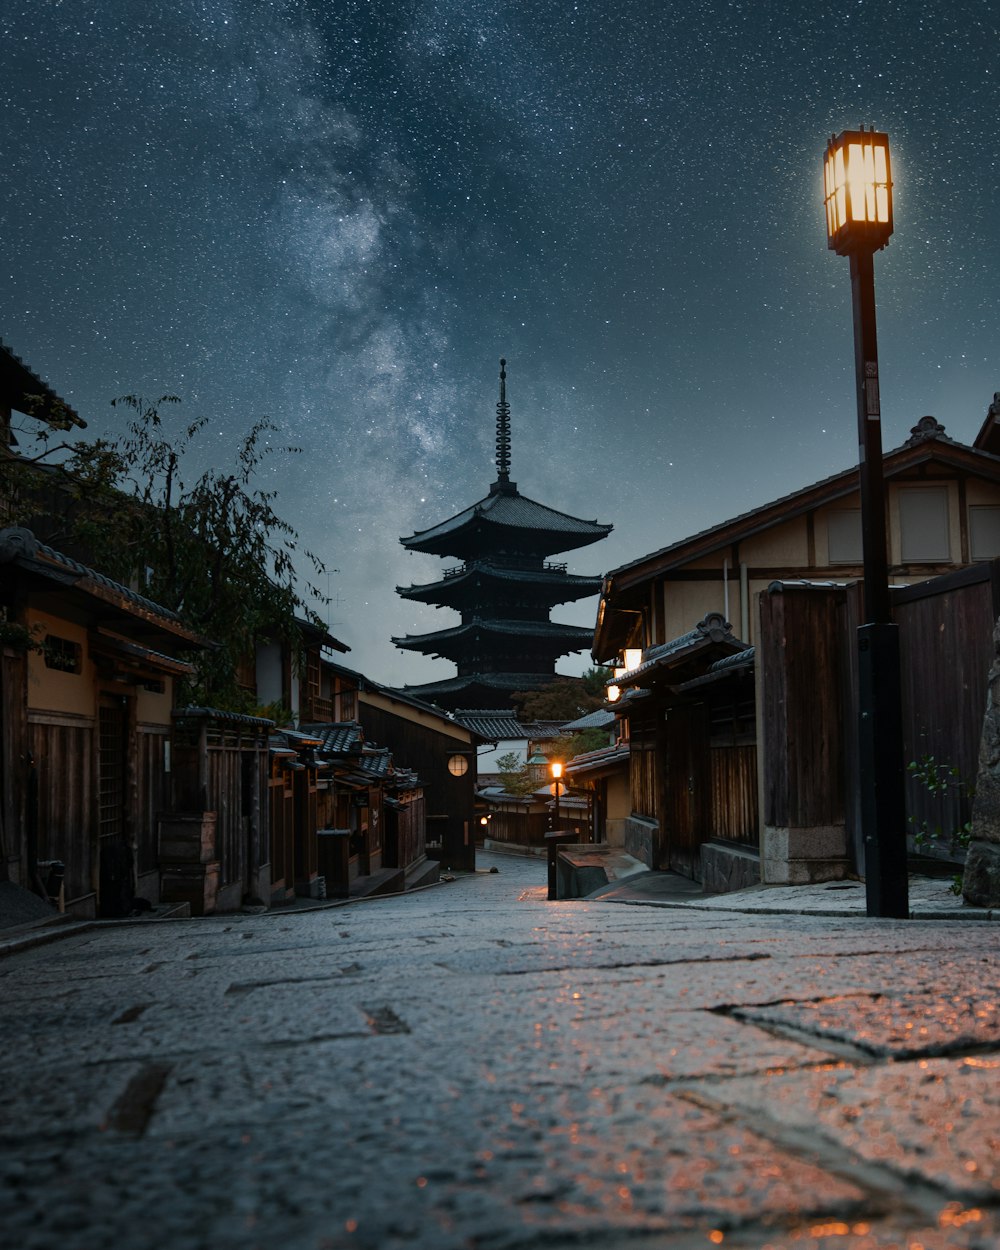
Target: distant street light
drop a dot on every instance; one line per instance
(858, 199)
(557, 771)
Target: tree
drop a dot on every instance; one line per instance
(216, 551)
(582, 742)
(515, 775)
(563, 699)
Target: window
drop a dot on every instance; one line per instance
(984, 531)
(62, 655)
(923, 524)
(843, 532)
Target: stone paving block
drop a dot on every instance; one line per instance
(899, 1024)
(934, 1120)
(57, 1101)
(958, 1228)
(462, 1069)
(512, 1176)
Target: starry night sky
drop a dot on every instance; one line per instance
(340, 214)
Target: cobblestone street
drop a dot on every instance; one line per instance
(470, 1066)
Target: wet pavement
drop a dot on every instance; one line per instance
(471, 1067)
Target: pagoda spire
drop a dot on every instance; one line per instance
(503, 485)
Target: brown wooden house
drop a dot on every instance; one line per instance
(942, 513)
(715, 789)
(87, 692)
(215, 841)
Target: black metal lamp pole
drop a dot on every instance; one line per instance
(858, 191)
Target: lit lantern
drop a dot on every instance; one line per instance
(633, 658)
(857, 191)
(614, 693)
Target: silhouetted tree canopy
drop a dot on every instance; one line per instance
(210, 547)
(564, 699)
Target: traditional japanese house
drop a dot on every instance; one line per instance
(215, 844)
(294, 682)
(689, 707)
(355, 856)
(604, 775)
(86, 695)
(743, 771)
(443, 752)
(503, 590)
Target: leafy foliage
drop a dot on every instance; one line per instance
(515, 776)
(565, 698)
(215, 551)
(584, 741)
(942, 781)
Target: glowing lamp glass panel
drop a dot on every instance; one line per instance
(614, 694)
(633, 657)
(557, 769)
(857, 191)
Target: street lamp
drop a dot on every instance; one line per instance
(557, 772)
(857, 185)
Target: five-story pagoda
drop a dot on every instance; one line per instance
(504, 590)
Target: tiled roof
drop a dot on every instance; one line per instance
(19, 383)
(377, 761)
(508, 682)
(915, 449)
(514, 511)
(592, 761)
(576, 585)
(145, 655)
(519, 629)
(213, 713)
(599, 719)
(343, 738)
(20, 546)
(713, 628)
(495, 724)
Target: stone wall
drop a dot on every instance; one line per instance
(981, 883)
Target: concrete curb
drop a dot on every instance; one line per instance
(24, 937)
(978, 914)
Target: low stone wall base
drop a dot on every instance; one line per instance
(804, 856)
(981, 881)
(640, 838)
(728, 868)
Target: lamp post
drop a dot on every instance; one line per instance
(858, 198)
(557, 771)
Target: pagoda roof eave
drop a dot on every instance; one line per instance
(505, 682)
(508, 512)
(540, 631)
(569, 585)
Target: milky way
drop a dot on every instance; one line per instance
(341, 214)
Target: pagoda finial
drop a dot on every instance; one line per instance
(503, 429)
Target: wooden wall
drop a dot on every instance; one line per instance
(450, 800)
(13, 763)
(734, 809)
(63, 750)
(946, 648)
(801, 654)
